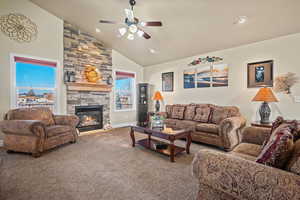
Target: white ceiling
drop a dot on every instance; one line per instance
(190, 27)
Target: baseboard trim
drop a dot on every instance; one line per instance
(121, 125)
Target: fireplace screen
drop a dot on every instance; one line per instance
(90, 117)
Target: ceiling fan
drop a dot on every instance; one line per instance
(133, 24)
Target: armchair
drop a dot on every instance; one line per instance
(35, 130)
(236, 175)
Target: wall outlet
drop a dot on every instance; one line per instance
(297, 99)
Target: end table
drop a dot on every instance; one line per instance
(258, 124)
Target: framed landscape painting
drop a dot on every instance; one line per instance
(189, 78)
(220, 75)
(203, 76)
(260, 74)
(168, 82)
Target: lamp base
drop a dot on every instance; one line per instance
(157, 106)
(264, 112)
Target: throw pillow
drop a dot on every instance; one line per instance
(279, 148)
(178, 112)
(169, 109)
(202, 114)
(293, 164)
(218, 114)
(189, 112)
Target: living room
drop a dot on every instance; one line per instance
(167, 100)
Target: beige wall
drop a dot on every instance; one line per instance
(284, 51)
(49, 45)
(123, 63)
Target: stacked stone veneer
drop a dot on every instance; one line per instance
(82, 49)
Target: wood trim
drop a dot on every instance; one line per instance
(92, 87)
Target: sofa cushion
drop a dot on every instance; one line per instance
(178, 112)
(169, 109)
(186, 124)
(218, 114)
(278, 149)
(202, 113)
(293, 164)
(248, 149)
(38, 113)
(56, 130)
(170, 121)
(189, 112)
(209, 128)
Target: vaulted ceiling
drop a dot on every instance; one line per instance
(190, 27)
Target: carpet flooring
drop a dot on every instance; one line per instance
(99, 166)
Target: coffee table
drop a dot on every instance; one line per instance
(172, 150)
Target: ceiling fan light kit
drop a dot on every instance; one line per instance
(133, 24)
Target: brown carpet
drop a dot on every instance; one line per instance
(99, 166)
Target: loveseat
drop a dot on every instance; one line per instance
(210, 124)
(35, 130)
(236, 175)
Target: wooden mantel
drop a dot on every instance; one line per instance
(92, 87)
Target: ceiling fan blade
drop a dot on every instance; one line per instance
(129, 14)
(151, 23)
(107, 22)
(142, 33)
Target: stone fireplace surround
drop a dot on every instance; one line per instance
(81, 49)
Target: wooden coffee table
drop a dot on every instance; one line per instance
(172, 149)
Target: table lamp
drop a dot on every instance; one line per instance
(265, 95)
(157, 97)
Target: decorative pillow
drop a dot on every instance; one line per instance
(218, 114)
(169, 109)
(293, 164)
(189, 112)
(279, 121)
(202, 114)
(279, 148)
(177, 112)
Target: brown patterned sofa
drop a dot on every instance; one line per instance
(34, 130)
(210, 124)
(236, 175)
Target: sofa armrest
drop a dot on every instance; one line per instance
(244, 179)
(71, 120)
(229, 131)
(255, 135)
(22, 127)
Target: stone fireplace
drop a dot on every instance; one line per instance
(81, 49)
(90, 117)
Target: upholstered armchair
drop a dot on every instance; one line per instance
(236, 175)
(35, 130)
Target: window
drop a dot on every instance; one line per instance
(124, 91)
(34, 83)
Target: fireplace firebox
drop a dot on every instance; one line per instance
(90, 117)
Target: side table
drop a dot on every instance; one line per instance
(258, 124)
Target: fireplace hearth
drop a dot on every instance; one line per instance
(90, 117)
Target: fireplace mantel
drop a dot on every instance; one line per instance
(92, 87)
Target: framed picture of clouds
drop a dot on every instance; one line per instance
(260, 74)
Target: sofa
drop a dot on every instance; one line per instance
(236, 175)
(210, 124)
(35, 130)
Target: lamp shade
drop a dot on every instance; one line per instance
(266, 95)
(157, 96)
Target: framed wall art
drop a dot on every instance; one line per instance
(189, 78)
(220, 75)
(167, 82)
(260, 74)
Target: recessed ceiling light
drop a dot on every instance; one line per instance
(241, 20)
(153, 51)
(98, 30)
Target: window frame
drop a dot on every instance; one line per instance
(13, 87)
(134, 91)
